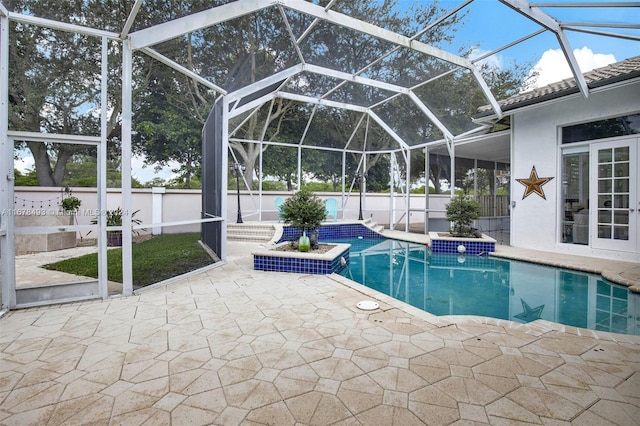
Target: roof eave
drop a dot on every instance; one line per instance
(489, 116)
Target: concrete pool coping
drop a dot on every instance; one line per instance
(273, 251)
(616, 271)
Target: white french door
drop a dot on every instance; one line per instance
(614, 194)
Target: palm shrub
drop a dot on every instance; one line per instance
(462, 211)
(303, 210)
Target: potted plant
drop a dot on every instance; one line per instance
(114, 218)
(462, 211)
(70, 204)
(305, 212)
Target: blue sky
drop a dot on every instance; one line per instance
(491, 25)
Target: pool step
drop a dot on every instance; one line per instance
(250, 232)
(374, 226)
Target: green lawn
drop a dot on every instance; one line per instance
(154, 260)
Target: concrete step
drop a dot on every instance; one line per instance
(248, 238)
(369, 223)
(250, 232)
(237, 231)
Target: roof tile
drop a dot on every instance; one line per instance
(612, 73)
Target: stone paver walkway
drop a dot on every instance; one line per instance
(236, 346)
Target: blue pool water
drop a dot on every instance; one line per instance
(444, 284)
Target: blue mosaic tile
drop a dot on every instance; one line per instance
(313, 266)
(332, 232)
(303, 266)
(457, 261)
(471, 247)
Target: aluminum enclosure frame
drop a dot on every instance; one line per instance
(144, 40)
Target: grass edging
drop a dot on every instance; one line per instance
(155, 260)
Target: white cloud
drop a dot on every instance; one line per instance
(553, 66)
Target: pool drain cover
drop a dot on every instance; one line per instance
(368, 305)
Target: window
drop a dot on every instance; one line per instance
(601, 129)
(575, 195)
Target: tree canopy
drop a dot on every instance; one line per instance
(55, 83)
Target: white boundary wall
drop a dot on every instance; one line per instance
(157, 205)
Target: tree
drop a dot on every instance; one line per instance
(326, 166)
(469, 97)
(281, 162)
(28, 178)
(462, 212)
(171, 108)
(82, 171)
(55, 81)
(165, 135)
(303, 210)
(156, 182)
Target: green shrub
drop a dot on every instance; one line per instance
(462, 212)
(303, 210)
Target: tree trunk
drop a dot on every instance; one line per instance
(42, 163)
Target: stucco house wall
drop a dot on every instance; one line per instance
(535, 141)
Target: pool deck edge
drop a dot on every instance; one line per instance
(616, 271)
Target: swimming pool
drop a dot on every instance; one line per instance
(445, 284)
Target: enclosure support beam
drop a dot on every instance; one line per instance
(392, 197)
(344, 181)
(373, 30)
(62, 26)
(299, 167)
(264, 83)
(196, 21)
(537, 15)
(452, 175)
(102, 173)
(316, 101)
(426, 191)
(407, 158)
(224, 176)
(183, 70)
(416, 100)
(130, 19)
(127, 255)
(389, 130)
(7, 239)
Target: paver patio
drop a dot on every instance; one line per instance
(235, 346)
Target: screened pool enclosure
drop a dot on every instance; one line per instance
(339, 89)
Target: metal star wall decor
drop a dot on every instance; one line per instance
(534, 184)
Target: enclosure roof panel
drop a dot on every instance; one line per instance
(417, 70)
